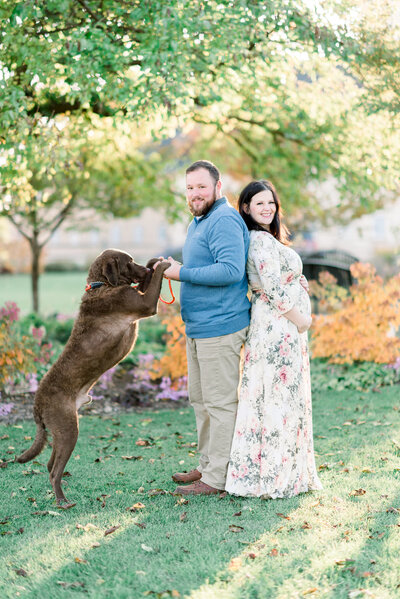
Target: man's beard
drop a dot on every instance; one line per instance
(204, 208)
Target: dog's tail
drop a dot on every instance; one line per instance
(38, 444)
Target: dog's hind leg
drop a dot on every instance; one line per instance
(51, 461)
(64, 441)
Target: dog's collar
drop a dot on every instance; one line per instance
(94, 285)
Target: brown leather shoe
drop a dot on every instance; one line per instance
(197, 488)
(186, 477)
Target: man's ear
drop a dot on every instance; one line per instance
(111, 271)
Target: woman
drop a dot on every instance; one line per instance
(272, 451)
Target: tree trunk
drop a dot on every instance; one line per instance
(36, 251)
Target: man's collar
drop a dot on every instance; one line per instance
(216, 205)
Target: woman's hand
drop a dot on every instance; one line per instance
(304, 283)
(302, 327)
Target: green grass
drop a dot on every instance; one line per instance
(341, 542)
(58, 292)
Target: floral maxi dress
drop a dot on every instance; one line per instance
(272, 451)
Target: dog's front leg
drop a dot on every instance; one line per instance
(152, 293)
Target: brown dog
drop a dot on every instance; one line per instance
(103, 334)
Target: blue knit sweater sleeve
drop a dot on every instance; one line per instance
(227, 246)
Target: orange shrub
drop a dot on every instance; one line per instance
(17, 356)
(173, 364)
(365, 322)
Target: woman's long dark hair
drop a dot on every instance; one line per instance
(276, 228)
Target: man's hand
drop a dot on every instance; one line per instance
(304, 283)
(173, 271)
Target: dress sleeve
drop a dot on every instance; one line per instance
(264, 253)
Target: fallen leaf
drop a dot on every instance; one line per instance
(45, 513)
(96, 544)
(135, 507)
(183, 517)
(273, 552)
(234, 528)
(368, 470)
(182, 501)
(154, 492)
(393, 510)
(103, 499)
(323, 467)
(252, 555)
(283, 516)
(21, 572)
(238, 514)
(140, 524)
(80, 561)
(143, 443)
(235, 564)
(309, 591)
(306, 526)
(344, 562)
(70, 585)
(132, 457)
(87, 527)
(109, 531)
(357, 492)
(146, 548)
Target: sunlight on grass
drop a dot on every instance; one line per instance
(338, 543)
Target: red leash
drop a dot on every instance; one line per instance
(172, 293)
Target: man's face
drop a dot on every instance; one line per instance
(201, 191)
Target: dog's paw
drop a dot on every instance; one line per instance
(152, 262)
(163, 265)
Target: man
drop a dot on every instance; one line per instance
(216, 312)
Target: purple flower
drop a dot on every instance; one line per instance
(5, 409)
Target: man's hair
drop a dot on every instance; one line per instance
(209, 166)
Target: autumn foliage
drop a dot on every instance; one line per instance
(173, 364)
(21, 354)
(361, 324)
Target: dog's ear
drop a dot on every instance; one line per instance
(111, 271)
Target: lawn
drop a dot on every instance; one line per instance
(58, 292)
(341, 542)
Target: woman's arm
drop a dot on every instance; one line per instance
(302, 321)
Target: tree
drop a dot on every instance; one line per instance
(294, 90)
(55, 168)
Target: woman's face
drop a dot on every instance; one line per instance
(262, 208)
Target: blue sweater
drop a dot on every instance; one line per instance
(214, 284)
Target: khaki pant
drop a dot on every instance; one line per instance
(213, 379)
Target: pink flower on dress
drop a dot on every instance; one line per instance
(284, 375)
(284, 349)
(284, 459)
(289, 278)
(247, 356)
(243, 470)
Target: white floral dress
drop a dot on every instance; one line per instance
(272, 451)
